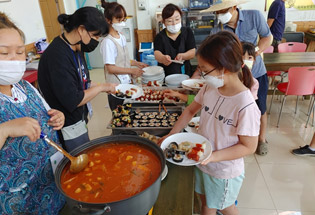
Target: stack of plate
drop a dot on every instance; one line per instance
(175, 80)
(153, 73)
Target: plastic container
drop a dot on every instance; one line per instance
(148, 58)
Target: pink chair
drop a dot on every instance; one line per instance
(301, 82)
(272, 74)
(292, 47)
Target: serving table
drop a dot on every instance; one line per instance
(176, 195)
(283, 61)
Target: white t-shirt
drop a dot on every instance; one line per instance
(109, 50)
(222, 119)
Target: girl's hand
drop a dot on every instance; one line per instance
(136, 72)
(166, 60)
(162, 139)
(57, 119)
(141, 65)
(210, 159)
(170, 93)
(109, 87)
(20, 127)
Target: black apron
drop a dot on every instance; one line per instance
(175, 68)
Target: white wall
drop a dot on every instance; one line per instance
(27, 16)
(291, 14)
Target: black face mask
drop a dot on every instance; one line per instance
(91, 46)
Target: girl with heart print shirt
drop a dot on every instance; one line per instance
(229, 119)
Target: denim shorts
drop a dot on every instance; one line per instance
(262, 93)
(219, 193)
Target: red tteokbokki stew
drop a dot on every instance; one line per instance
(116, 171)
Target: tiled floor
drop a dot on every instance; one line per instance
(276, 184)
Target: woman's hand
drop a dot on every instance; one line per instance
(57, 119)
(179, 57)
(136, 72)
(20, 127)
(166, 60)
(109, 87)
(141, 65)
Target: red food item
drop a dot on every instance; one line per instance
(134, 89)
(193, 156)
(149, 84)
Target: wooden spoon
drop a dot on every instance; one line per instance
(77, 163)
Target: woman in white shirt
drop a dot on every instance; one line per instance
(117, 64)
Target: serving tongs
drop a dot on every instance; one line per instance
(161, 104)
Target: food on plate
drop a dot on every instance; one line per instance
(150, 95)
(197, 151)
(196, 84)
(178, 158)
(128, 94)
(191, 124)
(154, 83)
(193, 151)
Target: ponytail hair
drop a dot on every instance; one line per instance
(6, 23)
(90, 17)
(113, 10)
(223, 50)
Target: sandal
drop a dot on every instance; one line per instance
(262, 148)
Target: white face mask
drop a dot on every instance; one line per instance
(225, 18)
(11, 71)
(173, 29)
(119, 26)
(249, 63)
(214, 81)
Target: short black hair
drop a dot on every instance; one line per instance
(169, 10)
(90, 17)
(249, 48)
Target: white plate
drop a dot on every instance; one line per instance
(193, 138)
(193, 129)
(164, 173)
(124, 87)
(175, 79)
(192, 83)
(152, 71)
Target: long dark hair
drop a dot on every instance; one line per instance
(224, 50)
(90, 17)
(113, 10)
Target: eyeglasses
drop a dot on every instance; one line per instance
(203, 74)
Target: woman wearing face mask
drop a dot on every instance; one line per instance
(174, 43)
(26, 178)
(229, 119)
(63, 75)
(115, 53)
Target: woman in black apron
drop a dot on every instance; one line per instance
(174, 43)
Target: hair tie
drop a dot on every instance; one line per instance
(243, 65)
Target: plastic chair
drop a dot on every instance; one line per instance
(292, 47)
(301, 82)
(272, 74)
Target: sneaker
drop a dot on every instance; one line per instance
(303, 151)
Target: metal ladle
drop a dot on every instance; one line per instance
(77, 163)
